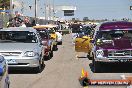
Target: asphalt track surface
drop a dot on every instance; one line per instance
(64, 69)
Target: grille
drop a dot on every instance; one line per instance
(10, 53)
(120, 53)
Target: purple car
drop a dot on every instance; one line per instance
(112, 43)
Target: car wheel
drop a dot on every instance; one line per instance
(42, 65)
(51, 54)
(60, 43)
(47, 57)
(96, 66)
(55, 48)
(8, 86)
(39, 68)
(88, 56)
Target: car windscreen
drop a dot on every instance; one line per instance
(18, 36)
(87, 30)
(51, 31)
(109, 35)
(43, 34)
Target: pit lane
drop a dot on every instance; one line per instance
(64, 69)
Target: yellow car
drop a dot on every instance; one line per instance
(83, 44)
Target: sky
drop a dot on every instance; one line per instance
(93, 9)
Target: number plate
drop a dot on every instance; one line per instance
(11, 61)
(125, 60)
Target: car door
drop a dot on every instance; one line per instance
(83, 44)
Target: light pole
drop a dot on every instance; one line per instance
(53, 9)
(11, 7)
(35, 11)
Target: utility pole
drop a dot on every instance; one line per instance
(35, 11)
(11, 7)
(22, 7)
(49, 10)
(45, 11)
(53, 10)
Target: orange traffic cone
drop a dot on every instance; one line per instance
(84, 73)
(84, 81)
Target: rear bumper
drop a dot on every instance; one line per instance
(59, 40)
(110, 60)
(55, 43)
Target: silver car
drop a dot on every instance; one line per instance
(22, 47)
(4, 77)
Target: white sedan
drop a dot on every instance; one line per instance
(59, 38)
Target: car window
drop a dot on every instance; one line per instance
(43, 34)
(18, 36)
(51, 31)
(109, 35)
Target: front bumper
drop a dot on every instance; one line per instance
(59, 40)
(119, 59)
(22, 61)
(55, 43)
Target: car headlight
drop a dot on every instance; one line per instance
(99, 53)
(30, 54)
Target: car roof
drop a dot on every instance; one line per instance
(30, 29)
(45, 26)
(115, 25)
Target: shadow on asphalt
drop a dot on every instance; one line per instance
(47, 59)
(24, 70)
(114, 68)
(82, 57)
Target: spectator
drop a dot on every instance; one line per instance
(27, 23)
(33, 23)
(23, 24)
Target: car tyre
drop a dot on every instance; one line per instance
(39, 68)
(8, 86)
(88, 56)
(60, 43)
(51, 54)
(47, 57)
(96, 66)
(55, 48)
